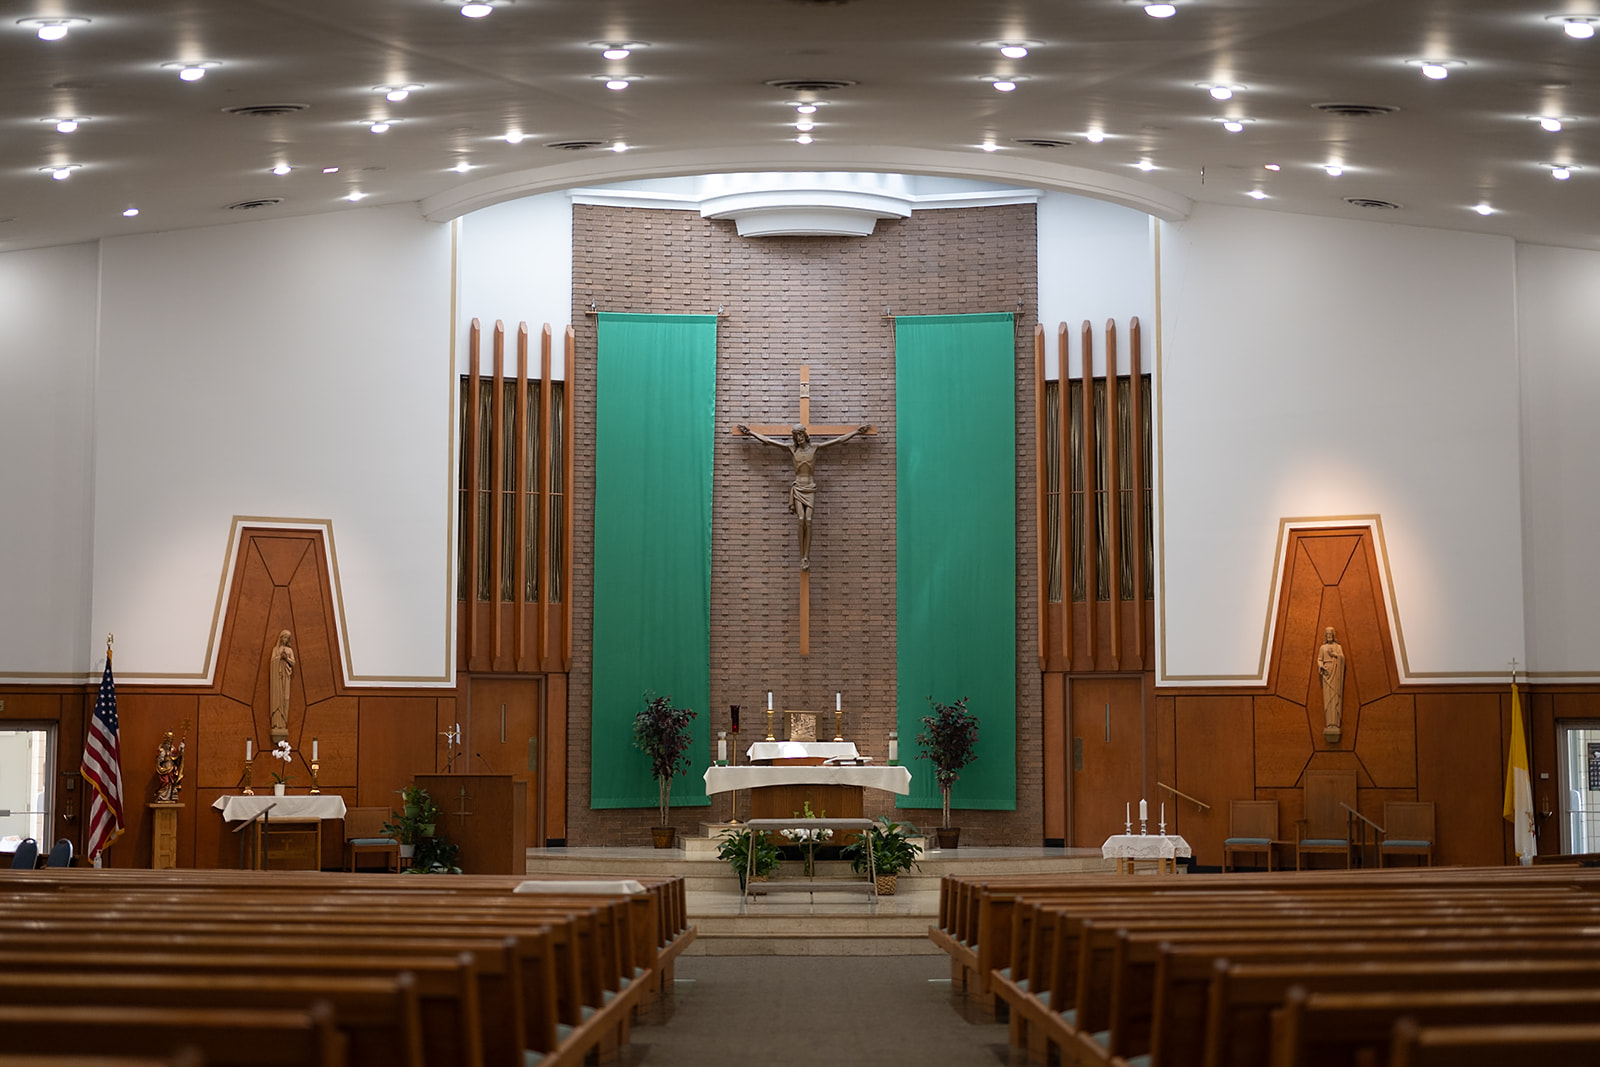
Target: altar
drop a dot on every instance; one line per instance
(799, 774)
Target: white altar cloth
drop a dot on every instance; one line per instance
(1144, 847)
(802, 749)
(727, 779)
(305, 806)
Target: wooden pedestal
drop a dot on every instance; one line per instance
(487, 815)
(164, 840)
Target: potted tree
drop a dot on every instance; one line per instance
(949, 740)
(892, 851)
(661, 731)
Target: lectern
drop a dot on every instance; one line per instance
(487, 815)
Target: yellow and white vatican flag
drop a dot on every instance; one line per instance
(1519, 789)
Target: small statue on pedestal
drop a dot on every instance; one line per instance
(169, 769)
(1330, 666)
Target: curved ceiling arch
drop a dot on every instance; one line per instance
(606, 167)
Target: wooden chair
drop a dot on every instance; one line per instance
(363, 836)
(1326, 827)
(1408, 830)
(1252, 827)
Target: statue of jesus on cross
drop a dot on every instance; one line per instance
(803, 490)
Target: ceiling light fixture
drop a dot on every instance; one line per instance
(1334, 170)
(1233, 125)
(1547, 123)
(804, 138)
(1014, 51)
(989, 146)
(1004, 86)
(617, 53)
(620, 147)
(281, 169)
(330, 170)
(805, 126)
(52, 29)
(462, 167)
(61, 171)
(191, 71)
(130, 212)
(616, 85)
(476, 10)
(806, 109)
(1160, 11)
(1435, 69)
(1145, 164)
(1484, 209)
(1561, 171)
(514, 137)
(396, 93)
(1256, 194)
(1272, 166)
(378, 127)
(1578, 27)
(1094, 137)
(356, 195)
(1220, 90)
(67, 125)
(616, 82)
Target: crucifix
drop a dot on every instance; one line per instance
(461, 811)
(802, 492)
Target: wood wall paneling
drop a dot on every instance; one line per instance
(249, 604)
(1298, 635)
(1387, 742)
(555, 764)
(397, 742)
(143, 718)
(1057, 752)
(335, 723)
(317, 661)
(215, 759)
(1283, 743)
(1461, 758)
(1215, 762)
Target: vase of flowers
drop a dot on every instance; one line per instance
(808, 838)
(949, 740)
(280, 778)
(661, 732)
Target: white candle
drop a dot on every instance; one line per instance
(247, 750)
(722, 750)
(313, 748)
(894, 749)
(1163, 813)
(836, 704)
(769, 700)
(1142, 814)
(1127, 812)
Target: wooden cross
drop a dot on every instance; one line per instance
(461, 811)
(814, 429)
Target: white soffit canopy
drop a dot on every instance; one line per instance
(835, 204)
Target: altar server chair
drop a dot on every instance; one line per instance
(60, 854)
(1252, 827)
(1408, 830)
(27, 855)
(363, 829)
(1326, 828)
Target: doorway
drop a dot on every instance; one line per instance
(1107, 755)
(504, 734)
(1578, 748)
(25, 762)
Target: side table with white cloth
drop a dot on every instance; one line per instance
(280, 833)
(1164, 850)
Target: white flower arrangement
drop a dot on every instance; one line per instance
(807, 837)
(282, 751)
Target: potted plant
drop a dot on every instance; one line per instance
(891, 851)
(414, 822)
(661, 731)
(735, 848)
(949, 740)
(280, 779)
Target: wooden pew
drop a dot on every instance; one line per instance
(1565, 1045)
(234, 1037)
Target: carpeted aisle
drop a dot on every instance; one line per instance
(775, 1011)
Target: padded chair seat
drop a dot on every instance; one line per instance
(1261, 842)
(1324, 842)
(372, 841)
(1401, 843)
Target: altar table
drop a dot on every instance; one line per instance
(290, 837)
(779, 792)
(1129, 849)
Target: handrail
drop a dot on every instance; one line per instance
(1362, 817)
(1200, 805)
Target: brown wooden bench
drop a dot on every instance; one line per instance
(234, 1037)
(1566, 1045)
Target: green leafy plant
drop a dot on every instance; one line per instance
(417, 819)
(735, 848)
(661, 732)
(892, 849)
(434, 855)
(949, 739)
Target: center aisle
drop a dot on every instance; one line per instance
(776, 1011)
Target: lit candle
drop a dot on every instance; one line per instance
(1127, 812)
(1163, 813)
(769, 700)
(313, 748)
(894, 749)
(836, 704)
(1142, 814)
(722, 749)
(247, 750)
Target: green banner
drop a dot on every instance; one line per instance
(956, 532)
(656, 392)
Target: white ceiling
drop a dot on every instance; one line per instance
(700, 104)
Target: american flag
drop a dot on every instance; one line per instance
(102, 769)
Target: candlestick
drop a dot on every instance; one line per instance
(836, 704)
(247, 752)
(313, 748)
(1127, 817)
(838, 725)
(244, 782)
(315, 767)
(1143, 814)
(769, 718)
(769, 700)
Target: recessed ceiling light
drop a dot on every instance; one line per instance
(617, 82)
(1547, 122)
(1232, 125)
(1094, 137)
(52, 29)
(804, 138)
(1436, 69)
(1272, 166)
(805, 125)
(330, 170)
(1561, 171)
(1004, 86)
(378, 127)
(1160, 11)
(615, 50)
(396, 93)
(356, 195)
(515, 137)
(476, 10)
(1256, 194)
(129, 213)
(989, 146)
(1334, 170)
(620, 147)
(67, 125)
(61, 171)
(1014, 51)
(617, 53)
(462, 167)
(1580, 27)
(1220, 90)
(1484, 209)
(1145, 164)
(806, 109)
(191, 71)
(283, 168)
(616, 85)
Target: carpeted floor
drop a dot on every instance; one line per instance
(776, 1011)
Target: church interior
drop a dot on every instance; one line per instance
(1201, 396)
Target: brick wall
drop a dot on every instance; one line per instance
(817, 301)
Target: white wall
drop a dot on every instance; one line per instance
(294, 368)
(1317, 367)
(516, 265)
(1558, 301)
(1095, 263)
(47, 345)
